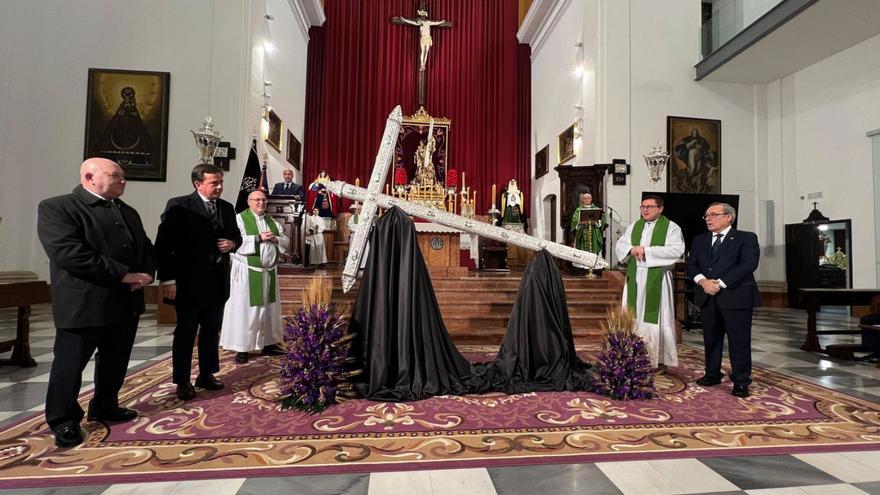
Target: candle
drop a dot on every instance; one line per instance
(493, 196)
(386, 189)
(462, 182)
(357, 182)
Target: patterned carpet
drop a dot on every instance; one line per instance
(241, 431)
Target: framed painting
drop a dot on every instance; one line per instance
(127, 120)
(694, 147)
(294, 150)
(565, 143)
(273, 137)
(541, 161)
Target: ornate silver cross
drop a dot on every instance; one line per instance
(373, 199)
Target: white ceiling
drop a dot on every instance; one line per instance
(823, 29)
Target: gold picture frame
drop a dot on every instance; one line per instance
(276, 129)
(565, 145)
(127, 120)
(694, 146)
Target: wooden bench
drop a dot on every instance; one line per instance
(815, 298)
(846, 351)
(21, 294)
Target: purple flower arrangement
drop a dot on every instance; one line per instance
(314, 367)
(624, 369)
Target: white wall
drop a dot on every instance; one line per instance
(556, 89)
(640, 57)
(819, 118)
(285, 67)
(46, 49)
(781, 141)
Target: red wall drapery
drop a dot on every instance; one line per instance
(360, 65)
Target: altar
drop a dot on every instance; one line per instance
(440, 246)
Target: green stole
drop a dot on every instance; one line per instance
(654, 282)
(255, 265)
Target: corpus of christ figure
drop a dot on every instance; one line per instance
(424, 24)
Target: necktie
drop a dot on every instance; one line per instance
(213, 214)
(287, 187)
(716, 244)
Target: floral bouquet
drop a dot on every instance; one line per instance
(315, 369)
(624, 367)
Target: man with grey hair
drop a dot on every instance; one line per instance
(252, 316)
(100, 259)
(722, 263)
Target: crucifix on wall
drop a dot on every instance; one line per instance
(424, 24)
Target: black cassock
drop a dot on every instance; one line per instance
(407, 354)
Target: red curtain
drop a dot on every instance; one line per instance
(361, 65)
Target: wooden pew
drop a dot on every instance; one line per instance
(21, 294)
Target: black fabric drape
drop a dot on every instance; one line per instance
(401, 340)
(404, 348)
(537, 353)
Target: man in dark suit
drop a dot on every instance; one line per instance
(722, 262)
(100, 259)
(195, 237)
(288, 187)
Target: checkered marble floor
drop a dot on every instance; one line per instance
(776, 337)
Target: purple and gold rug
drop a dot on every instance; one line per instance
(241, 431)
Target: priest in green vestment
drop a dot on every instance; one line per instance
(587, 232)
(252, 316)
(650, 247)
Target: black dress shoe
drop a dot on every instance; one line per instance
(872, 358)
(740, 391)
(708, 381)
(208, 382)
(118, 414)
(273, 350)
(185, 391)
(241, 357)
(68, 436)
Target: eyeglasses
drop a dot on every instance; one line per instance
(647, 207)
(713, 215)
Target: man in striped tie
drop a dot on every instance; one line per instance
(722, 263)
